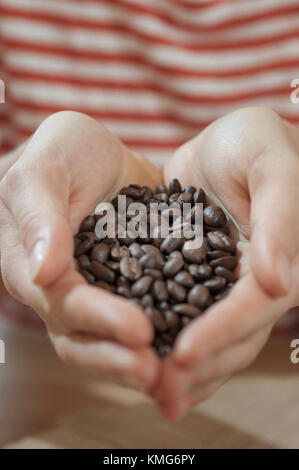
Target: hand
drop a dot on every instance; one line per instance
(69, 165)
(249, 162)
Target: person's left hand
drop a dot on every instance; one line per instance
(249, 162)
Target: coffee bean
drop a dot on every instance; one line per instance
(172, 320)
(199, 296)
(161, 197)
(200, 273)
(164, 350)
(124, 291)
(170, 243)
(197, 255)
(186, 197)
(228, 262)
(154, 273)
(220, 241)
(100, 252)
(168, 338)
(174, 187)
(221, 295)
(159, 290)
(157, 319)
(176, 291)
(130, 268)
(119, 252)
(217, 254)
(215, 283)
(190, 189)
(226, 273)
(199, 196)
(86, 243)
(161, 188)
(87, 276)
(132, 192)
(184, 279)
(187, 309)
(185, 321)
(140, 287)
(153, 250)
(147, 301)
(175, 254)
(87, 224)
(163, 306)
(101, 272)
(106, 286)
(122, 281)
(113, 265)
(173, 266)
(149, 261)
(147, 194)
(84, 261)
(136, 250)
(214, 216)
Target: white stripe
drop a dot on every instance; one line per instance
(115, 72)
(220, 12)
(81, 39)
(136, 130)
(92, 100)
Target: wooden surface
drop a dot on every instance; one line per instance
(45, 405)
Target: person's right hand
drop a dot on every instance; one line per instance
(69, 165)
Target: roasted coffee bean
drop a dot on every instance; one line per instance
(140, 287)
(170, 243)
(154, 273)
(174, 187)
(220, 241)
(147, 301)
(197, 255)
(226, 273)
(101, 272)
(122, 281)
(87, 224)
(175, 254)
(149, 261)
(214, 216)
(215, 283)
(147, 193)
(161, 197)
(84, 261)
(173, 266)
(190, 189)
(176, 291)
(114, 265)
(217, 254)
(153, 250)
(100, 252)
(157, 319)
(136, 250)
(163, 306)
(132, 192)
(161, 188)
(87, 242)
(104, 285)
(185, 321)
(199, 196)
(187, 309)
(119, 252)
(199, 296)
(167, 338)
(130, 268)
(173, 321)
(164, 350)
(186, 197)
(201, 272)
(184, 279)
(228, 262)
(124, 291)
(128, 240)
(159, 291)
(87, 276)
(221, 295)
(223, 229)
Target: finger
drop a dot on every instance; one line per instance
(247, 309)
(173, 411)
(138, 368)
(35, 202)
(274, 191)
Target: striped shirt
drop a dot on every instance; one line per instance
(155, 72)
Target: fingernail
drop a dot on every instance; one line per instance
(37, 257)
(284, 270)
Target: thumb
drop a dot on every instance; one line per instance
(38, 204)
(274, 190)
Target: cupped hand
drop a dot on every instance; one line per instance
(69, 165)
(247, 161)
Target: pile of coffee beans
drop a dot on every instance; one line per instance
(173, 284)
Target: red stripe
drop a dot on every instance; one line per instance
(153, 88)
(121, 28)
(139, 60)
